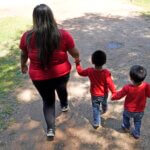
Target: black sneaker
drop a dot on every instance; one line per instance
(65, 108)
(50, 133)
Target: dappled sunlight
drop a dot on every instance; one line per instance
(132, 54)
(77, 76)
(147, 36)
(112, 139)
(118, 108)
(61, 135)
(23, 137)
(3, 53)
(78, 89)
(62, 118)
(85, 135)
(31, 125)
(124, 139)
(26, 95)
(16, 126)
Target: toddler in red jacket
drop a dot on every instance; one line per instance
(100, 83)
(135, 94)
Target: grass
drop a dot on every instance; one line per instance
(145, 4)
(10, 75)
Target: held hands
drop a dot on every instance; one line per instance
(77, 61)
(24, 69)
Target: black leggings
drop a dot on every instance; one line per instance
(46, 89)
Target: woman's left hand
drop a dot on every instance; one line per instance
(24, 69)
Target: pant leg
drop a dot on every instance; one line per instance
(126, 120)
(47, 92)
(137, 123)
(61, 88)
(96, 110)
(104, 104)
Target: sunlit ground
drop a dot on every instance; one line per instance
(69, 9)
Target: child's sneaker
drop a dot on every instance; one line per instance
(96, 126)
(135, 136)
(104, 109)
(125, 129)
(65, 108)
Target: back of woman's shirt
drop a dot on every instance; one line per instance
(58, 63)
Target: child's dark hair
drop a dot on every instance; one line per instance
(99, 58)
(138, 73)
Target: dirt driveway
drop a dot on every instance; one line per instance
(115, 27)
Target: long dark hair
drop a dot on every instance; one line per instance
(47, 36)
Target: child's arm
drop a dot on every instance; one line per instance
(110, 84)
(80, 70)
(148, 90)
(118, 95)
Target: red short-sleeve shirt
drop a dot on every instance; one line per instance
(59, 64)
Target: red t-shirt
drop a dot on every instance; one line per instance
(135, 100)
(100, 80)
(59, 64)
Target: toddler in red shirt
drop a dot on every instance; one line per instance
(100, 83)
(135, 100)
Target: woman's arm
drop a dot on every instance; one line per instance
(74, 52)
(24, 53)
(24, 59)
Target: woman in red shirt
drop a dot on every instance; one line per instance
(46, 47)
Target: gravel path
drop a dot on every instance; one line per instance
(119, 30)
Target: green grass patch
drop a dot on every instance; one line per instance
(144, 4)
(10, 75)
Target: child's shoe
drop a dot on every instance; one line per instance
(104, 109)
(96, 126)
(125, 129)
(135, 136)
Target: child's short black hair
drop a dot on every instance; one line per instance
(138, 73)
(99, 58)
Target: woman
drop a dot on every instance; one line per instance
(46, 47)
